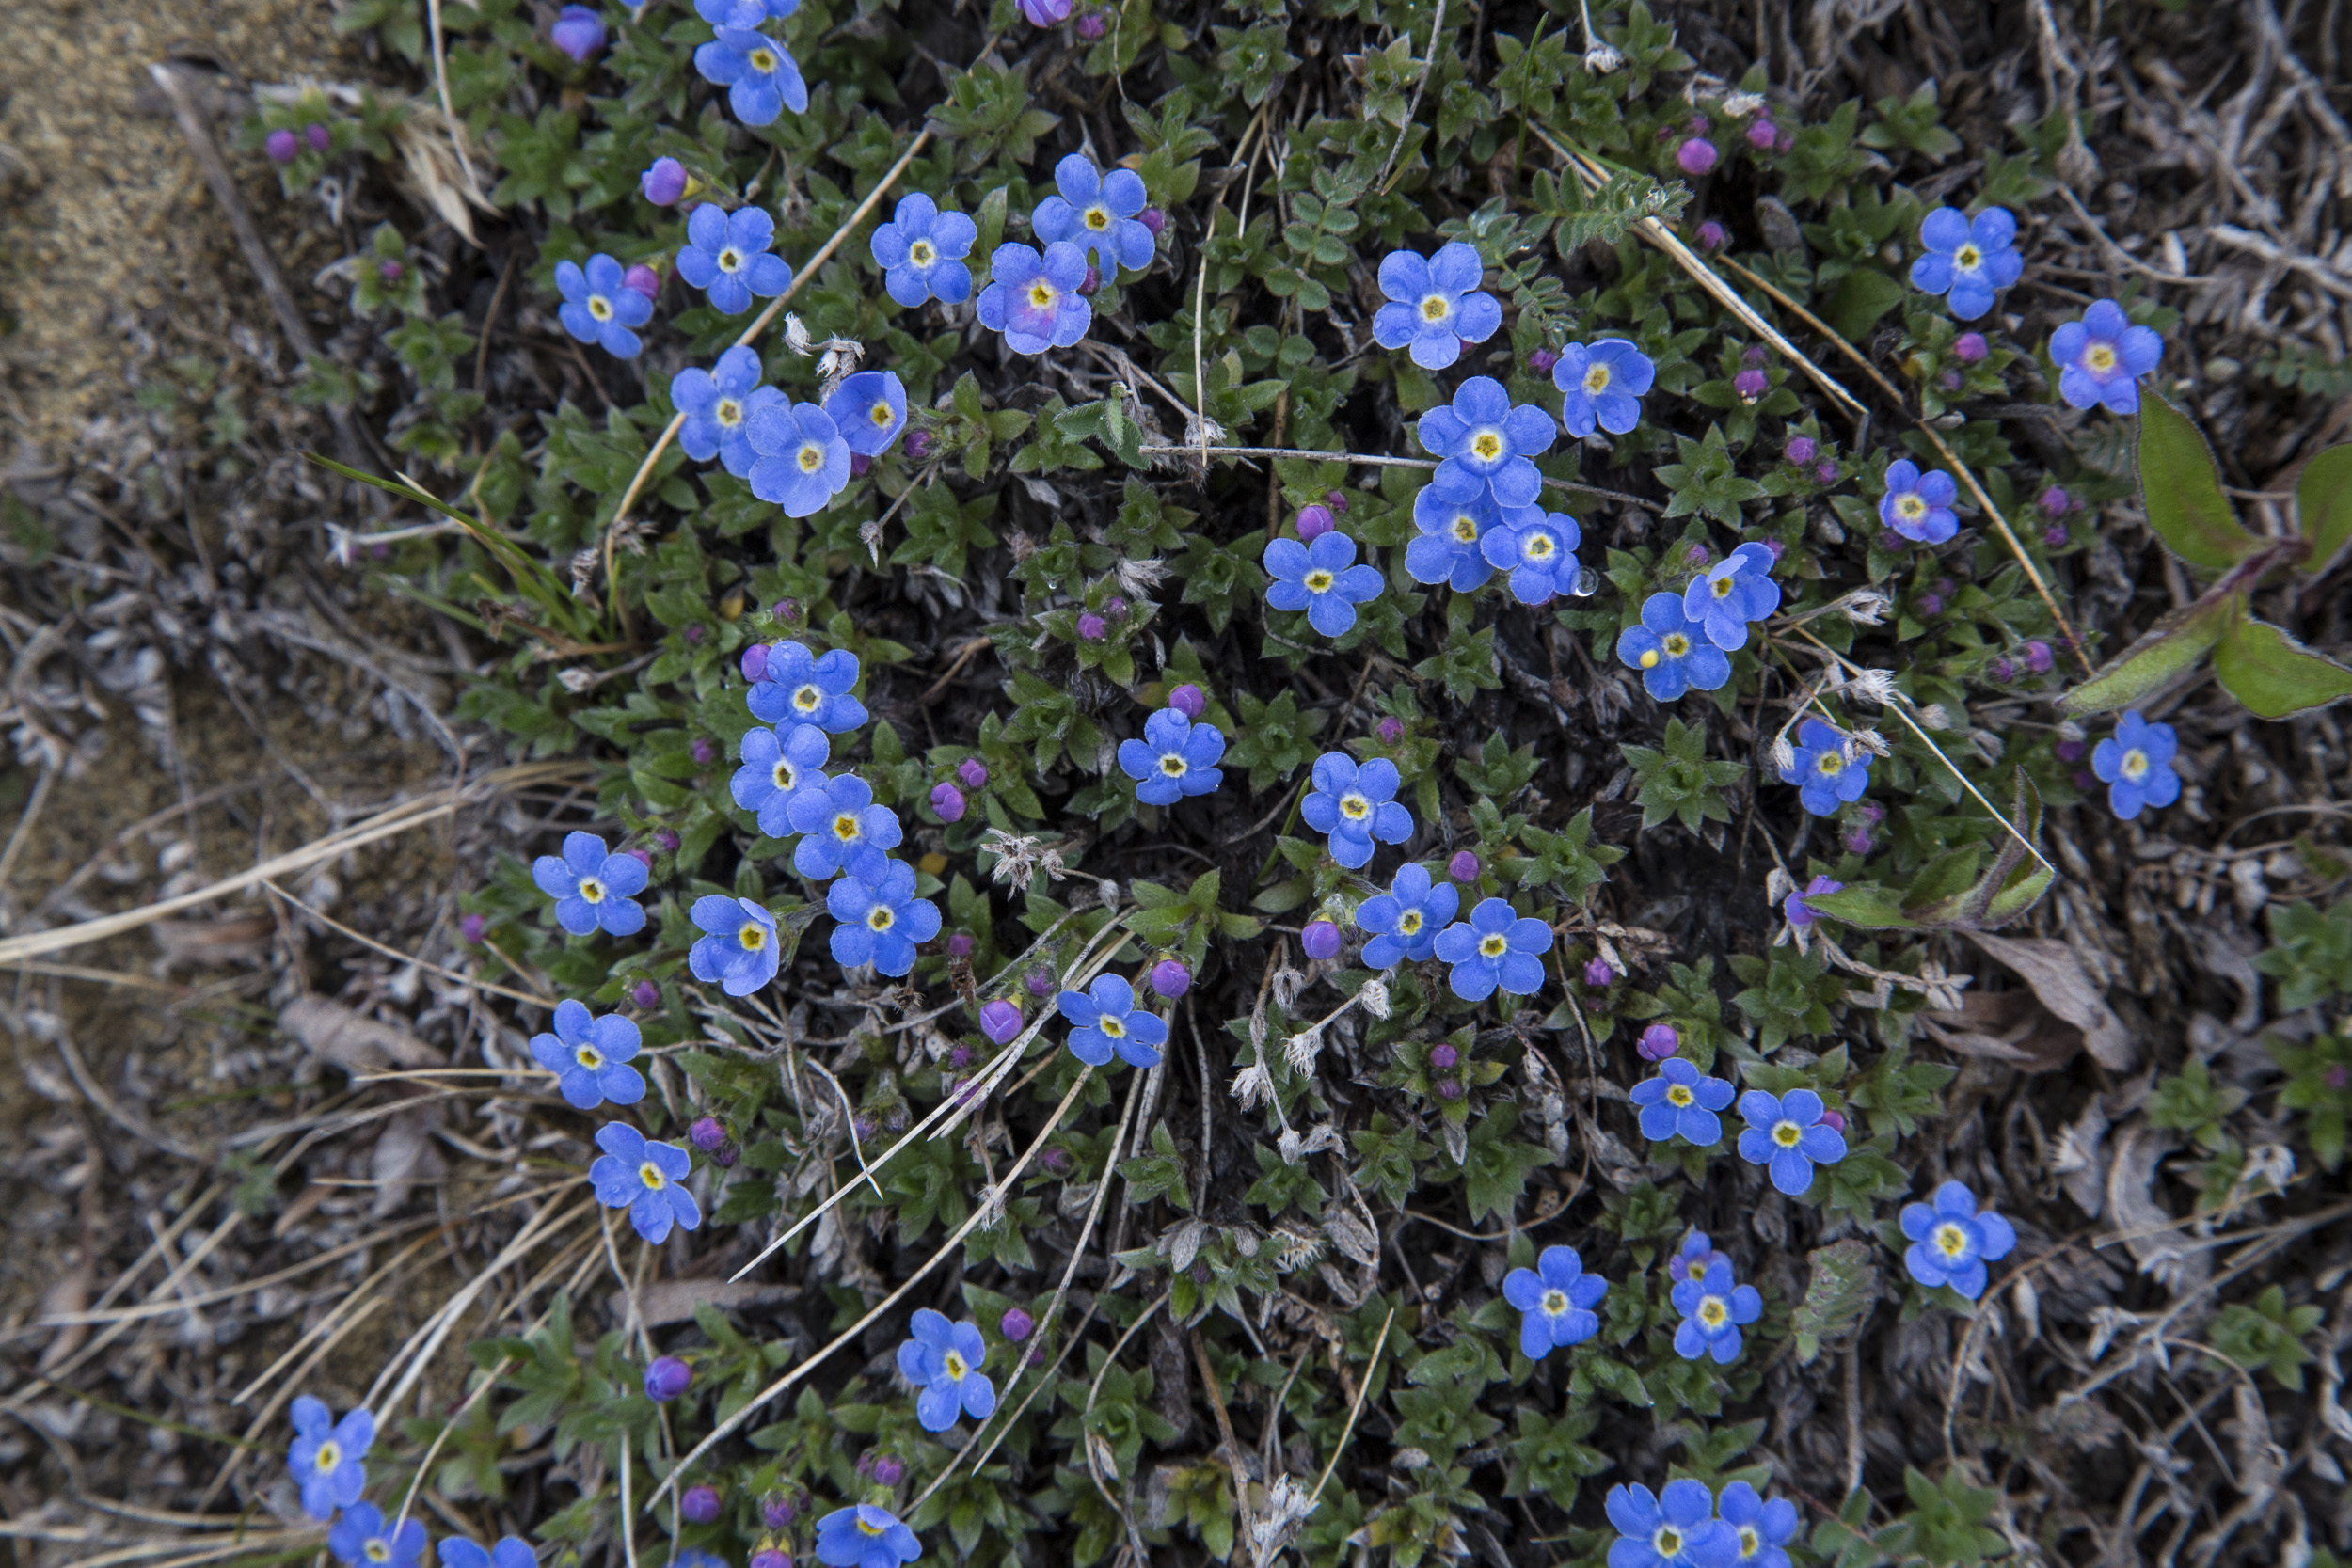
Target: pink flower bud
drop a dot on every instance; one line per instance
(667, 839)
(860, 465)
(1091, 627)
(2038, 657)
(666, 1378)
(1335, 500)
(1016, 1325)
(1541, 360)
(2055, 536)
(1321, 939)
(1442, 1056)
(973, 772)
(1761, 134)
(1449, 1089)
(700, 1505)
(663, 182)
(1115, 607)
(645, 994)
(919, 444)
(776, 1511)
(1695, 156)
(948, 800)
(1041, 981)
(1784, 139)
(2055, 502)
(707, 1133)
(1092, 280)
(1598, 974)
(472, 928)
(1000, 1019)
(643, 857)
(1390, 730)
(1150, 217)
(1092, 27)
(2002, 671)
(1170, 978)
(1930, 603)
(960, 945)
(1826, 471)
(704, 753)
(889, 1471)
(644, 279)
(1713, 235)
(2070, 751)
(1659, 1041)
(754, 661)
(1835, 1121)
(1751, 385)
(282, 146)
(1969, 347)
(1188, 700)
(1801, 449)
(1314, 522)
(1463, 867)
(789, 611)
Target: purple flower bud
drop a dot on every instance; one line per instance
(1751, 385)
(694, 631)
(1336, 501)
(1016, 1325)
(960, 1057)
(1039, 981)
(960, 943)
(645, 994)
(1697, 125)
(1092, 27)
(1188, 700)
(644, 279)
(1835, 1120)
(1314, 522)
(1390, 730)
(2340, 1077)
(1695, 156)
(1657, 1042)
(2055, 502)
(643, 857)
(667, 839)
(1801, 449)
(2038, 657)
(1000, 1019)
(919, 444)
(1321, 939)
(1091, 627)
(860, 465)
(1092, 280)
(704, 753)
(1947, 587)
(2086, 780)
(317, 136)
(1969, 347)
(865, 1466)
(578, 31)
(2002, 671)
(281, 145)
(1115, 607)
(776, 1511)
(770, 1556)
(1761, 134)
(789, 611)
(2055, 535)
(472, 928)
(1951, 381)
(726, 1154)
(1449, 1089)
(1463, 867)
(1800, 912)
(1598, 974)
(1541, 360)
(864, 1126)
(1056, 1160)
(1777, 548)
(700, 1505)
(889, 1471)
(2070, 751)
(663, 181)
(1930, 603)
(1857, 840)
(1826, 471)
(756, 661)
(1170, 978)
(973, 772)
(1713, 235)
(1442, 1056)
(1871, 813)
(1694, 555)
(666, 1378)
(1784, 139)
(706, 1134)
(1154, 219)
(1753, 355)
(948, 800)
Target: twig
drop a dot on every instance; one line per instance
(390, 952)
(1420, 84)
(1365, 459)
(1362, 1390)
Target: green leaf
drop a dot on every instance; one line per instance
(2322, 505)
(1862, 297)
(2273, 674)
(1845, 1282)
(2173, 647)
(2181, 490)
(1869, 905)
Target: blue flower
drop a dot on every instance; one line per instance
(592, 888)
(600, 309)
(1034, 300)
(1676, 1530)
(777, 770)
(1698, 1255)
(1919, 506)
(1355, 805)
(869, 409)
(325, 1457)
(943, 1360)
(1320, 579)
(1435, 304)
(1785, 1132)
(1712, 1310)
(578, 31)
(2135, 762)
(1951, 1240)
(1665, 647)
(1539, 549)
(865, 1537)
(1495, 949)
(1447, 548)
(1096, 213)
(760, 75)
(726, 255)
(1763, 1527)
(1107, 1021)
(1556, 1298)
(1825, 774)
(1678, 1101)
(843, 831)
(1967, 262)
(1175, 758)
(645, 1177)
(359, 1540)
(2102, 357)
(801, 687)
(1405, 921)
(881, 921)
(590, 1057)
(511, 1552)
(804, 462)
(745, 13)
(921, 251)
(1735, 591)
(1602, 384)
(740, 950)
(1486, 442)
(718, 405)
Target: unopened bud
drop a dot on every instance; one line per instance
(1016, 1325)
(1321, 939)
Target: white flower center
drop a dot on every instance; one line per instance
(922, 253)
(1788, 1134)
(1714, 1311)
(601, 307)
(1555, 1302)
(1596, 380)
(1487, 445)
(1950, 1240)
(2136, 765)
(1680, 1095)
(589, 1057)
(592, 890)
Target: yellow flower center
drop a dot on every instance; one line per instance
(1354, 807)
(1911, 506)
(954, 1366)
(1714, 1311)
(2136, 765)
(1042, 294)
(1493, 946)
(879, 918)
(1113, 1027)
(881, 416)
(1749, 1541)
(1667, 1541)
(1829, 764)
(592, 890)
(1721, 588)
(1555, 1302)
(601, 307)
(922, 253)
(1678, 645)
(1435, 308)
(1171, 765)
(1409, 922)
(753, 937)
(1098, 218)
(1465, 527)
(1788, 1134)
(377, 1551)
(845, 826)
(1950, 1240)
(1487, 445)
(728, 413)
(730, 260)
(1538, 547)
(2101, 358)
(812, 457)
(651, 1176)
(781, 775)
(1968, 258)
(1679, 1096)
(330, 1455)
(589, 1057)
(1318, 582)
(1696, 1269)
(864, 1528)
(762, 61)
(807, 699)
(1596, 380)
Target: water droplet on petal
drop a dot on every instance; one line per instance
(1587, 583)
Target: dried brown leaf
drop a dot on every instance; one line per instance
(404, 1154)
(2058, 981)
(223, 940)
(352, 1040)
(673, 1300)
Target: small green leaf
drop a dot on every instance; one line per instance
(2174, 647)
(2182, 490)
(2273, 674)
(1862, 297)
(1869, 905)
(1845, 1282)
(2322, 503)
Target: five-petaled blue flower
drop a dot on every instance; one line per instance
(1320, 578)
(1670, 653)
(1107, 1021)
(1602, 383)
(1967, 262)
(804, 462)
(718, 403)
(1919, 506)
(1097, 212)
(1785, 1133)
(1355, 805)
(1175, 758)
(359, 1540)
(777, 770)
(1696, 1255)
(801, 687)
(2135, 762)
(325, 1457)
(738, 951)
(1539, 549)
(645, 1177)
(1735, 591)
(921, 251)
(1034, 300)
(1406, 921)
(1676, 1529)
(1679, 1100)
(760, 75)
(2102, 357)
(511, 1552)
(869, 409)
(1485, 443)
(865, 1537)
(1447, 548)
(1951, 1240)
(881, 921)
(943, 1360)
(843, 831)
(1435, 305)
(1826, 775)
(745, 13)
(1495, 949)
(590, 1057)
(598, 307)
(1761, 1526)
(726, 255)
(592, 888)
(1556, 1299)
(1712, 1309)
